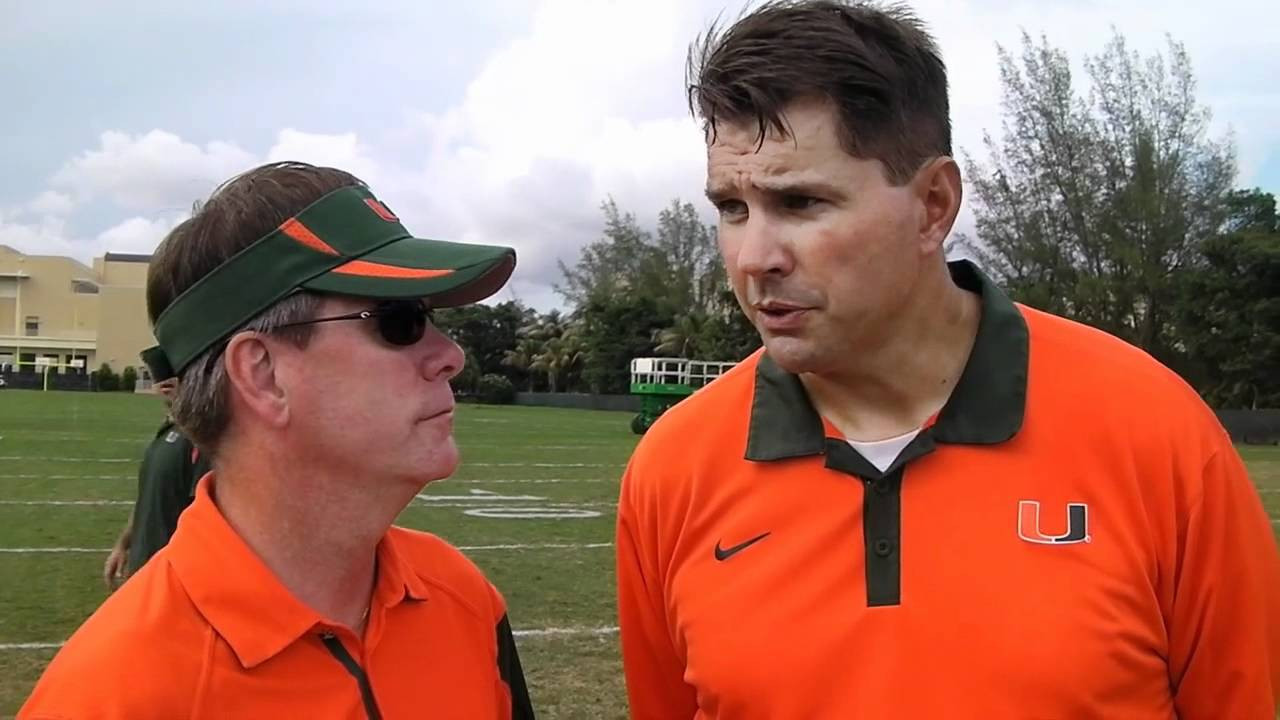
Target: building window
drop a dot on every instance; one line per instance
(33, 326)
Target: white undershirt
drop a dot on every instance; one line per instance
(882, 453)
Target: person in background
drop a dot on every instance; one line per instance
(167, 481)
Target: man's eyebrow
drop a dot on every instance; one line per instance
(784, 185)
(777, 186)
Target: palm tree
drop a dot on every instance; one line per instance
(521, 357)
(558, 356)
(683, 338)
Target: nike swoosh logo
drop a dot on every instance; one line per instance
(723, 554)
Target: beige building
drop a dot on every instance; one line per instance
(56, 311)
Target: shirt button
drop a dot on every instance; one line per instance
(883, 547)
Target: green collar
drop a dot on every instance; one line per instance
(986, 408)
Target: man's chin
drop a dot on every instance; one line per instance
(792, 354)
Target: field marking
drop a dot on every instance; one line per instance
(537, 546)
(543, 512)
(30, 646)
(67, 502)
(140, 441)
(478, 495)
(497, 446)
(542, 465)
(556, 505)
(498, 481)
(507, 481)
(33, 551)
(67, 477)
(464, 548)
(69, 459)
(477, 503)
(523, 633)
(544, 632)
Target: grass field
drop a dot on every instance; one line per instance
(59, 448)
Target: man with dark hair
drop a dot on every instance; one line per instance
(919, 499)
(294, 308)
(166, 485)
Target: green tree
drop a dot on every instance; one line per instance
(129, 378)
(520, 358)
(613, 331)
(1090, 205)
(728, 334)
(486, 333)
(1229, 314)
(623, 261)
(106, 379)
(557, 358)
(684, 337)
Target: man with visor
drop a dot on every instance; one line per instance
(294, 309)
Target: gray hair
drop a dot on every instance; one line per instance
(202, 406)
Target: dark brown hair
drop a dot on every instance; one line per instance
(877, 65)
(237, 214)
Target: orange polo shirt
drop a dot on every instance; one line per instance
(1073, 536)
(205, 630)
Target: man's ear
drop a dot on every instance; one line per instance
(939, 188)
(251, 371)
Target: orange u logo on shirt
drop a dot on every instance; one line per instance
(1029, 524)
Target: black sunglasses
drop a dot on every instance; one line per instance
(400, 322)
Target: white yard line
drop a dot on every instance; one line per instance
(26, 458)
(464, 548)
(558, 505)
(537, 546)
(30, 646)
(537, 481)
(488, 497)
(34, 551)
(544, 632)
(478, 501)
(68, 477)
(540, 465)
(78, 503)
(520, 633)
(499, 446)
(472, 481)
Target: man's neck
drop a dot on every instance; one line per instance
(895, 385)
(321, 546)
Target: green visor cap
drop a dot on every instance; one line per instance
(157, 364)
(345, 243)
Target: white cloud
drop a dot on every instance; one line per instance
(136, 235)
(589, 103)
(344, 151)
(51, 202)
(155, 172)
(50, 235)
(45, 236)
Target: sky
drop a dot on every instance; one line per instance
(496, 121)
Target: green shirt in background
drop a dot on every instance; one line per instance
(166, 485)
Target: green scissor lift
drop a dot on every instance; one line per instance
(663, 382)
